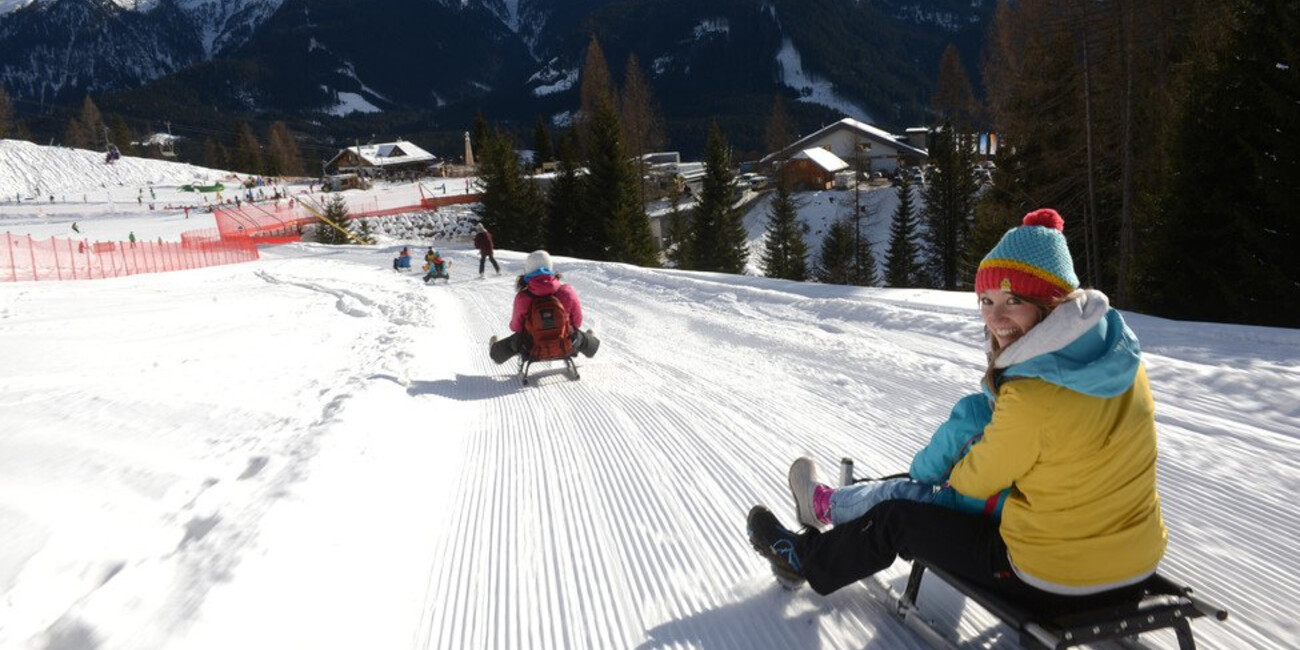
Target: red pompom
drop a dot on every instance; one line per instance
(1045, 217)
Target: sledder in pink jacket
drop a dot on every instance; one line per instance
(540, 281)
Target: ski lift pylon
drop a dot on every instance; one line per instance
(167, 149)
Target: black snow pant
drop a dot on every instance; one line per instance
(483, 257)
(966, 545)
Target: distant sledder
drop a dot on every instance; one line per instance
(403, 260)
(546, 320)
(436, 267)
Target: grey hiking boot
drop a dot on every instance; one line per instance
(777, 545)
(803, 485)
(500, 350)
(590, 344)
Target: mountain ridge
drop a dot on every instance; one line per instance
(511, 60)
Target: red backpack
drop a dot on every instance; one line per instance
(547, 323)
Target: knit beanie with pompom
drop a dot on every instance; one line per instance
(1031, 261)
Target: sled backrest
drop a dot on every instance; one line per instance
(547, 324)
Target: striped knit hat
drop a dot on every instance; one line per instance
(1032, 260)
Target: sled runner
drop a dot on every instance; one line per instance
(526, 363)
(1162, 604)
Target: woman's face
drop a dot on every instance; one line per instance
(1007, 316)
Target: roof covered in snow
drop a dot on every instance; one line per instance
(862, 130)
(389, 154)
(822, 158)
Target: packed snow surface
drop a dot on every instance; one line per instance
(314, 451)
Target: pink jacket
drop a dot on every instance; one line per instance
(545, 285)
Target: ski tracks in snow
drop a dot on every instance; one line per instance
(612, 514)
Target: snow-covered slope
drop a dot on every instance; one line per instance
(34, 172)
(312, 451)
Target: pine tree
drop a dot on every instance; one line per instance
(512, 206)
(75, 136)
(565, 200)
(777, 132)
(835, 263)
(215, 155)
(336, 211)
(6, 113)
(121, 136)
(541, 144)
(679, 244)
(284, 158)
(949, 211)
(614, 210)
(364, 231)
(642, 121)
(902, 262)
(785, 253)
(247, 157)
(594, 88)
(864, 264)
(92, 123)
(482, 131)
(721, 243)
(954, 99)
(1225, 248)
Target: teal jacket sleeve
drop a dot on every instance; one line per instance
(952, 440)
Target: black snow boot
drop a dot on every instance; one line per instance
(588, 343)
(502, 350)
(777, 545)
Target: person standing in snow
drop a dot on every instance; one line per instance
(483, 242)
(1072, 431)
(540, 279)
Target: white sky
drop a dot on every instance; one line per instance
(312, 451)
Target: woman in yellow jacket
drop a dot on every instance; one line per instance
(1072, 435)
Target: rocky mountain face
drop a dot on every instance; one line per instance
(508, 59)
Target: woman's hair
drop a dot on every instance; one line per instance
(1045, 307)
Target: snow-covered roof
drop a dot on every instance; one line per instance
(867, 131)
(386, 154)
(822, 158)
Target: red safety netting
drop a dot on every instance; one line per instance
(283, 220)
(23, 258)
(239, 231)
(270, 223)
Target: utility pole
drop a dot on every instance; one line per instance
(859, 149)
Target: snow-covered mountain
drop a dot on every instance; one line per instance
(512, 59)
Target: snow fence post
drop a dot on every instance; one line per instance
(31, 250)
(13, 265)
(54, 246)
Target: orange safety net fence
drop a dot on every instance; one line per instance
(23, 258)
